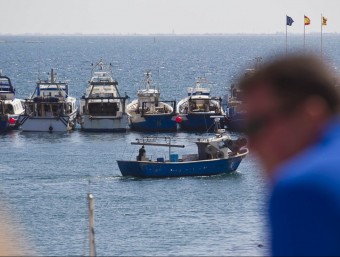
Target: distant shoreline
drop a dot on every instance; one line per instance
(161, 35)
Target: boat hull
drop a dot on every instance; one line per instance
(4, 126)
(235, 123)
(200, 122)
(103, 124)
(53, 124)
(144, 169)
(154, 123)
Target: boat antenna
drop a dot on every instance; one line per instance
(158, 79)
(101, 64)
(52, 76)
(148, 79)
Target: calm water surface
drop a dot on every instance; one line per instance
(45, 177)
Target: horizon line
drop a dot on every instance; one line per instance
(158, 34)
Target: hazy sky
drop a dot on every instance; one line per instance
(164, 16)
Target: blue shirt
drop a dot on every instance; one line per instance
(304, 208)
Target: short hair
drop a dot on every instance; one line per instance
(296, 78)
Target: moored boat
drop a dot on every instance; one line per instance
(102, 108)
(198, 110)
(215, 155)
(50, 108)
(149, 113)
(10, 107)
(234, 110)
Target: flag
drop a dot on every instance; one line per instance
(289, 21)
(324, 21)
(307, 20)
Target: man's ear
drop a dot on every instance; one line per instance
(315, 107)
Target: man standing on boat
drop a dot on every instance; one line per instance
(293, 126)
(141, 153)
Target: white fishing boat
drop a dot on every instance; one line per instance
(50, 108)
(196, 111)
(102, 108)
(10, 107)
(148, 113)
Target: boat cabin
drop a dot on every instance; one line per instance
(50, 99)
(102, 108)
(148, 101)
(203, 104)
(102, 97)
(7, 92)
(11, 107)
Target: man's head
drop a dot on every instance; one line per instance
(288, 101)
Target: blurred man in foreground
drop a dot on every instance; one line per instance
(293, 127)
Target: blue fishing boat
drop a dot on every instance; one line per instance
(216, 155)
(233, 103)
(10, 107)
(235, 114)
(197, 111)
(148, 113)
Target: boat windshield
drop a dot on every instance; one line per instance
(46, 109)
(103, 109)
(102, 95)
(6, 108)
(5, 85)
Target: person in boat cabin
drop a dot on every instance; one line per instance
(141, 154)
(293, 125)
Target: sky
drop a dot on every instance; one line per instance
(165, 16)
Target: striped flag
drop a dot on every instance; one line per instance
(307, 20)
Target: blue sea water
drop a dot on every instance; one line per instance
(45, 177)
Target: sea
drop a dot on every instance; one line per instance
(45, 177)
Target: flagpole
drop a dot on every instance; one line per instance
(321, 34)
(304, 33)
(286, 34)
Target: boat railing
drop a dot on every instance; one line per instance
(103, 83)
(106, 98)
(101, 67)
(46, 109)
(152, 141)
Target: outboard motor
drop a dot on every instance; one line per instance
(235, 145)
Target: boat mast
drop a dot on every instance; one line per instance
(52, 76)
(148, 80)
(91, 221)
